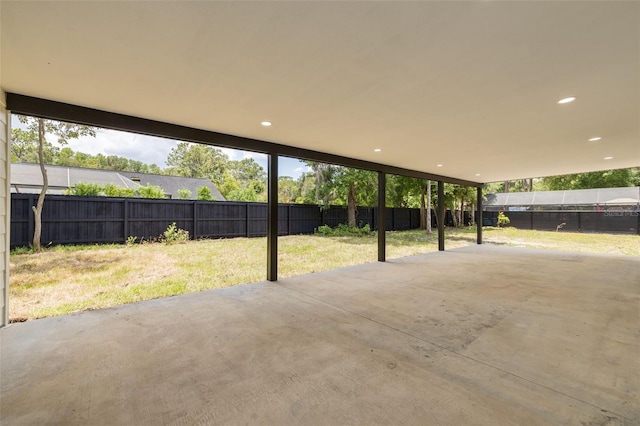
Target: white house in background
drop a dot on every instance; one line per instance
(26, 178)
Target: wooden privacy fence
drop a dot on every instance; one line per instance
(85, 220)
(614, 221)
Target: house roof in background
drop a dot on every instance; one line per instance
(599, 196)
(172, 184)
(27, 178)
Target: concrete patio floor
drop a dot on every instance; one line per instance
(473, 336)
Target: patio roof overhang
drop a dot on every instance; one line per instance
(472, 86)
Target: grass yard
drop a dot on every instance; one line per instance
(62, 280)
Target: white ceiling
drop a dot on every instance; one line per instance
(470, 85)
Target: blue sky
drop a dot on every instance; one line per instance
(151, 149)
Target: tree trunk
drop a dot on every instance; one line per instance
(454, 214)
(37, 210)
(472, 216)
(506, 186)
(351, 205)
(429, 231)
(423, 210)
(531, 185)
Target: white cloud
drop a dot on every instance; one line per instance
(154, 150)
(148, 149)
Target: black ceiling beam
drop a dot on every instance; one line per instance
(38, 107)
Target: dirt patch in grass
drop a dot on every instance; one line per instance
(53, 283)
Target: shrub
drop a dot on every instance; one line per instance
(184, 194)
(110, 190)
(85, 189)
(131, 240)
(204, 193)
(503, 220)
(173, 234)
(344, 230)
(151, 191)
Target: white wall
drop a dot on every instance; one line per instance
(5, 211)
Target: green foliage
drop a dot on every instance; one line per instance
(151, 191)
(606, 179)
(131, 240)
(197, 161)
(24, 142)
(184, 194)
(288, 190)
(173, 235)
(85, 189)
(204, 193)
(503, 220)
(344, 230)
(110, 190)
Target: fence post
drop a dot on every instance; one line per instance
(289, 219)
(373, 219)
(531, 220)
(246, 218)
(579, 222)
(195, 219)
(125, 219)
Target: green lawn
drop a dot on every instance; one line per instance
(68, 279)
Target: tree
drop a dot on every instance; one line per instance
(344, 185)
(606, 179)
(35, 135)
(196, 160)
(249, 179)
(288, 190)
(403, 191)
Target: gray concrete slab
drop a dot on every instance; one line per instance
(473, 336)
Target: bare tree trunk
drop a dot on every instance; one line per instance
(531, 185)
(429, 230)
(423, 210)
(351, 205)
(318, 182)
(37, 210)
(506, 186)
(472, 215)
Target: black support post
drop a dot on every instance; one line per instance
(382, 219)
(272, 219)
(479, 218)
(441, 215)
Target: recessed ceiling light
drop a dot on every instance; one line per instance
(477, 174)
(439, 165)
(567, 100)
(608, 158)
(266, 123)
(377, 150)
(597, 138)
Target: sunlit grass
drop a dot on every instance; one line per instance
(68, 279)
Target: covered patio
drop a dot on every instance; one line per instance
(458, 92)
(479, 335)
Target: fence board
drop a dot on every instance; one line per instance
(85, 220)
